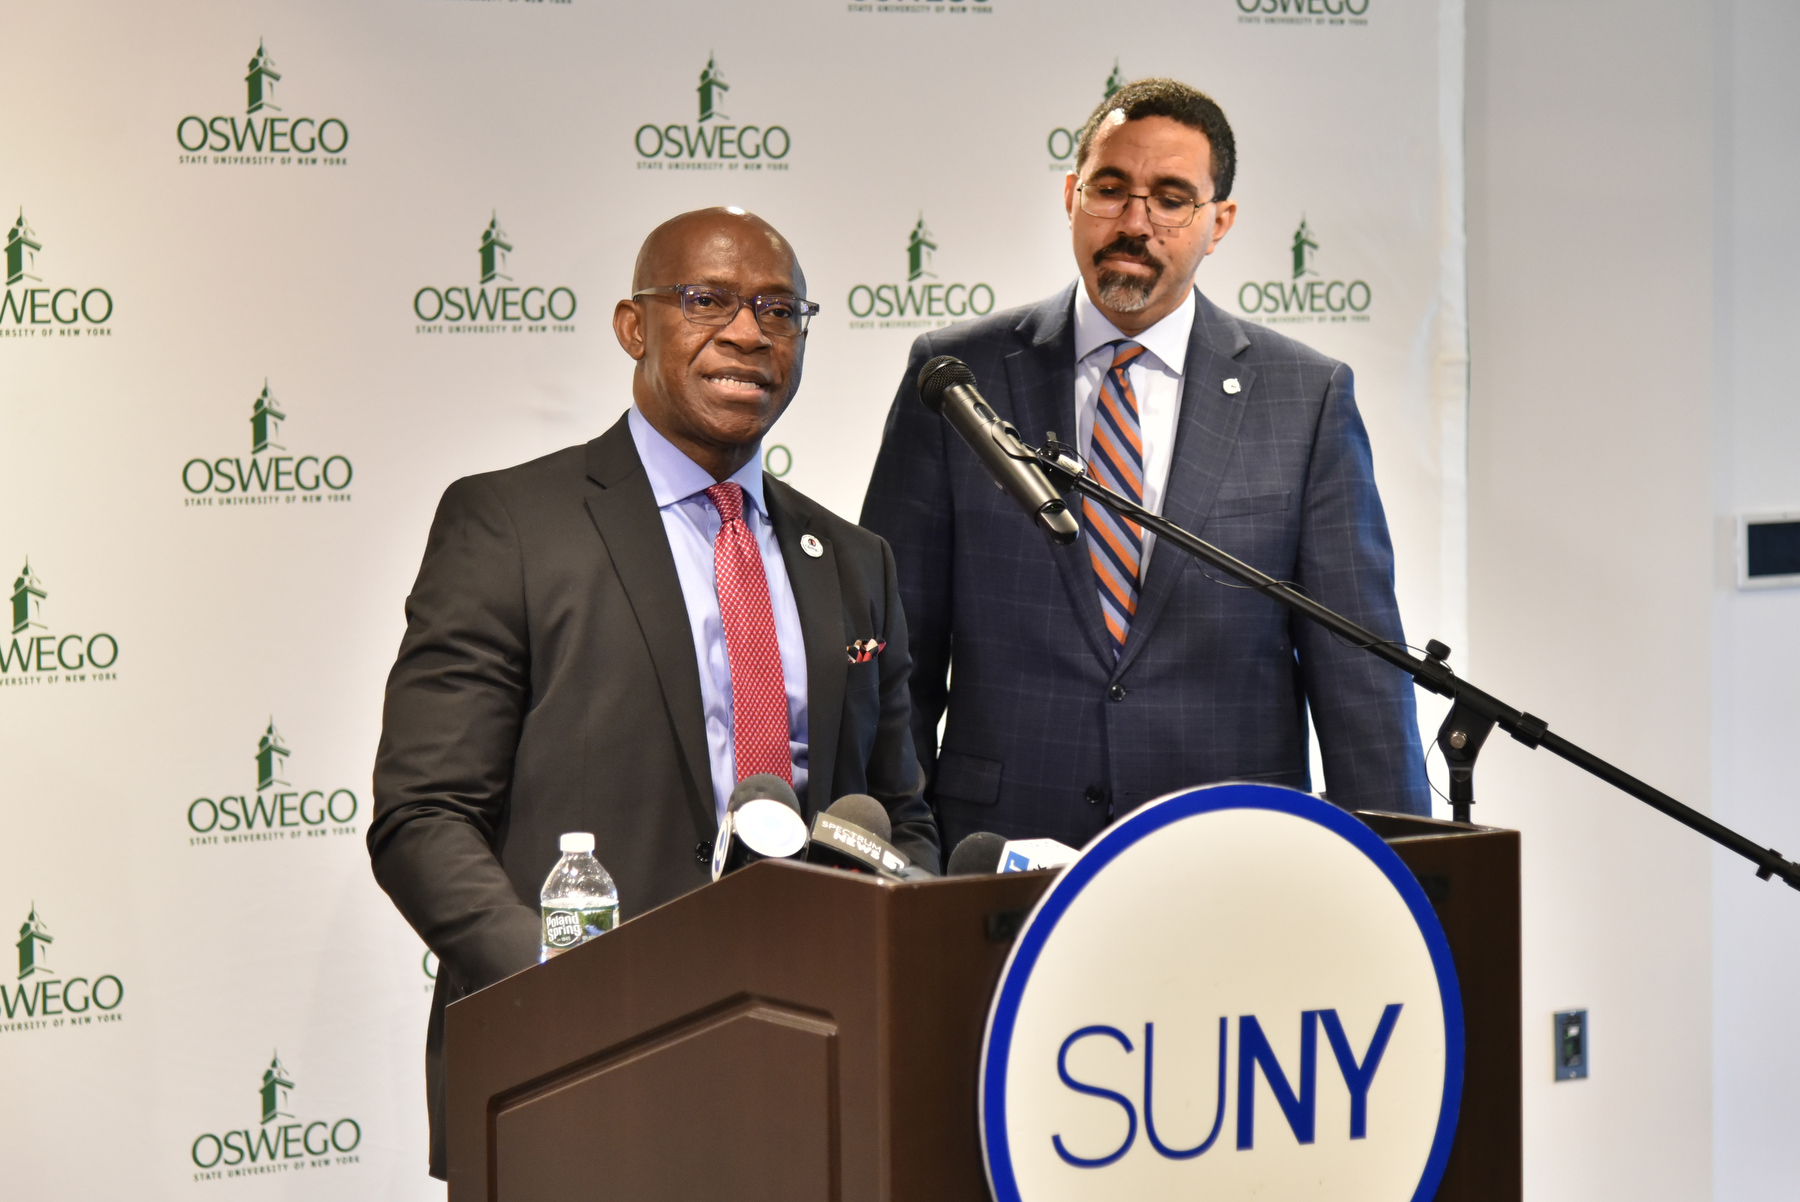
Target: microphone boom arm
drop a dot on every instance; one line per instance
(1473, 712)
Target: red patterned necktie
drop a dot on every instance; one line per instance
(759, 716)
(1117, 458)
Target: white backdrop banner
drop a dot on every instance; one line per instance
(277, 273)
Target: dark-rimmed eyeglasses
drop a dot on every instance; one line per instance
(1170, 210)
(705, 305)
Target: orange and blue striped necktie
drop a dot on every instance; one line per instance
(1117, 460)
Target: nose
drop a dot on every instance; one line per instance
(1135, 220)
(742, 331)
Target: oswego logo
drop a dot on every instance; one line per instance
(953, 8)
(923, 301)
(714, 142)
(50, 657)
(1062, 142)
(276, 809)
(286, 1140)
(32, 308)
(45, 999)
(507, 307)
(272, 475)
(264, 136)
(1306, 296)
(1303, 12)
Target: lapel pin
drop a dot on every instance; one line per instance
(812, 546)
(1232, 386)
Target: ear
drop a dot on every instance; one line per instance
(1069, 182)
(1223, 219)
(628, 327)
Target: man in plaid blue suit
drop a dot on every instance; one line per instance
(1082, 681)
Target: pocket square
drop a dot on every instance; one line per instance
(864, 650)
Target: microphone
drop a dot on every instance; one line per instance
(947, 386)
(762, 822)
(1026, 855)
(977, 855)
(853, 833)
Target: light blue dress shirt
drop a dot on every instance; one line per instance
(692, 525)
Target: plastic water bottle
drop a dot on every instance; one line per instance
(579, 900)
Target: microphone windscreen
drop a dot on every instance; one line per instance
(940, 374)
(859, 809)
(763, 784)
(976, 855)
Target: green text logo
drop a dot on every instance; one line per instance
(272, 475)
(43, 999)
(921, 8)
(274, 1146)
(35, 309)
(508, 307)
(1305, 296)
(276, 809)
(922, 302)
(1062, 142)
(50, 658)
(712, 143)
(1303, 12)
(262, 138)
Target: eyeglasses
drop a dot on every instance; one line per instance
(1170, 210)
(704, 305)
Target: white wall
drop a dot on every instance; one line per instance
(1756, 705)
(1591, 548)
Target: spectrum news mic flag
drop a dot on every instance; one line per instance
(853, 834)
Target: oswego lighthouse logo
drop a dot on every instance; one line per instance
(507, 307)
(923, 301)
(33, 308)
(44, 998)
(265, 135)
(276, 809)
(37, 654)
(714, 142)
(1306, 296)
(285, 1140)
(273, 474)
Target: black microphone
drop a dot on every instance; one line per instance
(762, 822)
(853, 833)
(947, 386)
(977, 855)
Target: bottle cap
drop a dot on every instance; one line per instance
(577, 841)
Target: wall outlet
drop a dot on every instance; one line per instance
(1571, 1043)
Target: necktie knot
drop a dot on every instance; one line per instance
(1125, 350)
(728, 499)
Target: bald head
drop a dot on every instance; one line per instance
(705, 234)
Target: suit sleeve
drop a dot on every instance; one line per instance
(450, 728)
(895, 778)
(1364, 708)
(908, 504)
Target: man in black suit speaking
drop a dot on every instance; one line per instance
(1083, 681)
(608, 638)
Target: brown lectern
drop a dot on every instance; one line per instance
(793, 1033)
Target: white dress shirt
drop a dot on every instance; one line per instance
(692, 525)
(1155, 378)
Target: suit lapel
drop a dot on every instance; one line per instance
(1040, 379)
(1205, 438)
(625, 514)
(819, 598)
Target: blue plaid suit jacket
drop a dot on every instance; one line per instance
(1047, 734)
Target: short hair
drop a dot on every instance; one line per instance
(1173, 99)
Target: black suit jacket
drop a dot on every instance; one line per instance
(1049, 734)
(547, 683)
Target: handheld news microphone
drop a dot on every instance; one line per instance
(977, 855)
(853, 833)
(947, 386)
(1028, 855)
(762, 822)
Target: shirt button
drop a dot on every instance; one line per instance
(1117, 692)
(1095, 794)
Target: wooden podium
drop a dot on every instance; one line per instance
(795, 1033)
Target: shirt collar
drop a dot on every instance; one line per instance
(674, 477)
(1167, 339)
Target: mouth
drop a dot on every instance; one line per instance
(738, 384)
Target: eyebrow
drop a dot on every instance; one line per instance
(1164, 181)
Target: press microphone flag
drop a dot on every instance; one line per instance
(1025, 855)
(854, 834)
(947, 386)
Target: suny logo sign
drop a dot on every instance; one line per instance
(274, 1145)
(43, 998)
(264, 136)
(32, 308)
(507, 307)
(272, 475)
(50, 658)
(714, 142)
(923, 301)
(1306, 295)
(1158, 1027)
(276, 809)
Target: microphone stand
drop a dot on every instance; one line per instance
(1473, 712)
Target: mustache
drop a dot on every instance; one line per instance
(1127, 247)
